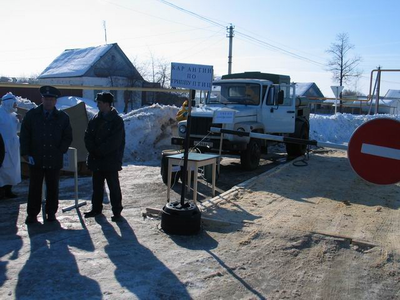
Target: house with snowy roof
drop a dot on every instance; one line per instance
(310, 90)
(389, 104)
(105, 67)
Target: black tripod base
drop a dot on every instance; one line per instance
(181, 219)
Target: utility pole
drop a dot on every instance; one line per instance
(105, 31)
(230, 35)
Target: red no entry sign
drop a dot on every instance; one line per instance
(374, 151)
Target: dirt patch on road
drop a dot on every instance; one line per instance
(318, 232)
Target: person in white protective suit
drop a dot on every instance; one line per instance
(10, 170)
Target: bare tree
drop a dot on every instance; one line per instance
(343, 66)
(163, 73)
(351, 92)
(159, 70)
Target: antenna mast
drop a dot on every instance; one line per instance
(230, 35)
(105, 31)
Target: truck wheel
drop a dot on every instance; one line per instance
(295, 150)
(250, 158)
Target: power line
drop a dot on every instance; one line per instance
(386, 81)
(201, 50)
(278, 49)
(245, 36)
(146, 14)
(162, 34)
(282, 45)
(191, 13)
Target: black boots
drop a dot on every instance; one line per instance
(31, 220)
(116, 218)
(51, 217)
(8, 192)
(91, 214)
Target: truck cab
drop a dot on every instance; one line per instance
(262, 103)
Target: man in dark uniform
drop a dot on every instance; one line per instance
(45, 136)
(105, 142)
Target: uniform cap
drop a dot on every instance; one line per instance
(105, 97)
(49, 91)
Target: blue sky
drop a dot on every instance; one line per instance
(36, 32)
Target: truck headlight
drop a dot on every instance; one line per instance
(240, 129)
(182, 129)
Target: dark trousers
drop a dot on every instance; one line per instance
(98, 191)
(51, 178)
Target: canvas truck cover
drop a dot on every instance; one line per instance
(275, 78)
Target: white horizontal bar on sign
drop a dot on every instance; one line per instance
(385, 152)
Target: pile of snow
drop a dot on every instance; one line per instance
(68, 101)
(338, 128)
(25, 103)
(148, 132)
(63, 103)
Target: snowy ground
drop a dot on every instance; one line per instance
(291, 234)
(288, 234)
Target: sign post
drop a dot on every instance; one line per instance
(374, 151)
(337, 89)
(223, 116)
(181, 217)
(71, 164)
(193, 77)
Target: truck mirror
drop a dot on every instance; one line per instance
(280, 97)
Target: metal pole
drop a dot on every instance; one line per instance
(73, 158)
(372, 96)
(336, 99)
(220, 149)
(192, 94)
(378, 88)
(105, 31)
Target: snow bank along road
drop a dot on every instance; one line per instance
(315, 232)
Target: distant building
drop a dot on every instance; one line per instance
(105, 65)
(390, 104)
(308, 89)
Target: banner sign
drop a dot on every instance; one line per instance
(193, 77)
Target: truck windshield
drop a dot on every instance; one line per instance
(237, 93)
